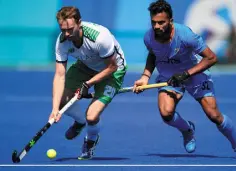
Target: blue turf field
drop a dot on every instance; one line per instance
(132, 134)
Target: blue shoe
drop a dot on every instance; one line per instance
(189, 140)
(88, 149)
(74, 130)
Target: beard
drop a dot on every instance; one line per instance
(163, 35)
(70, 38)
(74, 36)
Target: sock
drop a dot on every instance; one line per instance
(76, 114)
(228, 130)
(92, 132)
(178, 122)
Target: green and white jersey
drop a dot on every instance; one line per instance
(98, 44)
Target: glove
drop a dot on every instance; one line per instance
(83, 91)
(178, 79)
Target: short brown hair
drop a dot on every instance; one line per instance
(68, 12)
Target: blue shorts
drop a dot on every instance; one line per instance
(200, 88)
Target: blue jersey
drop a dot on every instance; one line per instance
(178, 55)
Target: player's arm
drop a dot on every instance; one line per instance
(208, 60)
(107, 52)
(149, 67)
(148, 70)
(105, 47)
(58, 84)
(151, 58)
(198, 46)
(111, 68)
(59, 78)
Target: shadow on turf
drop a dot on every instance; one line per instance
(94, 158)
(188, 155)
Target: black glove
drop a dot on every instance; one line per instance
(178, 79)
(83, 93)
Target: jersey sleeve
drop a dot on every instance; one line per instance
(147, 40)
(194, 41)
(60, 51)
(106, 44)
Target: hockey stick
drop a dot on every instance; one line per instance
(144, 87)
(16, 158)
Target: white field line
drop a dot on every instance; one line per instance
(117, 165)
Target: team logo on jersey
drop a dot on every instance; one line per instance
(71, 50)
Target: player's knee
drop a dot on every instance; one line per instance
(166, 110)
(92, 120)
(167, 113)
(215, 116)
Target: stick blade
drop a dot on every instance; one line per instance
(15, 158)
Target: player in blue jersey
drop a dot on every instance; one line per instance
(182, 59)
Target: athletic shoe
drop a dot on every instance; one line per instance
(74, 130)
(189, 140)
(88, 149)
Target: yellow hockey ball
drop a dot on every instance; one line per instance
(51, 153)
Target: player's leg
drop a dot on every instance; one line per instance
(209, 105)
(91, 139)
(76, 75)
(74, 112)
(105, 91)
(168, 98)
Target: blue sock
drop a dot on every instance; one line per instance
(228, 130)
(179, 123)
(92, 132)
(75, 112)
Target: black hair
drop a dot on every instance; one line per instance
(159, 7)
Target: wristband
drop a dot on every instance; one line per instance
(146, 75)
